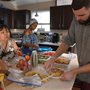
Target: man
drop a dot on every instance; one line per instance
(78, 33)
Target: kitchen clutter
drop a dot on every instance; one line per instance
(29, 70)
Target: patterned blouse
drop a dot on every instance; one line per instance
(31, 38)
(9, 53)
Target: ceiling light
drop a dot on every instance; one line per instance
(36, 15)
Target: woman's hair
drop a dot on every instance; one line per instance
(6, 27)
(78, 4)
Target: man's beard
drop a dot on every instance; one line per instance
(85, 22)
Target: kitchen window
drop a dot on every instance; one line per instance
(43, 19)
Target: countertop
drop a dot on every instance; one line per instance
(41, 43)
(53, 84)
(50, 43)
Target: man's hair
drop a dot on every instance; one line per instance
(78, 4)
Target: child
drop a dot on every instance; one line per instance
(8, 47)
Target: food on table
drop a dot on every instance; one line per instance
(22, 64)
(42, 58)
(19, 53)
(50, 53)
(56, 72)
(62, 60)
(31, 73)
(27, 57)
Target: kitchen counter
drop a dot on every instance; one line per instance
(50, 43)
(53, 84)
(43, 43)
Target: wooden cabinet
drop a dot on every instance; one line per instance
(8, 19)
(1, 14)
(21, 18)
(60, 17)
(5, 16)
(15, 19)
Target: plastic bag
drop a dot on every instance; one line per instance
(17, 76)
(40, 69)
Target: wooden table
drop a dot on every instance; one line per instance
(53, 84)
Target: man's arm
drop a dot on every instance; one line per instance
(82, 69)
(70, 74)
(61, 49)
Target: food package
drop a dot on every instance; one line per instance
(17, 76)
(42, 58)
(56, 72)
(40, 70)
(62, 62)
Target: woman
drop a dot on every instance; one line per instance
(30, 40)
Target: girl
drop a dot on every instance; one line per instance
(8, 47)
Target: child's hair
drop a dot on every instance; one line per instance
(78, 4)
(6, 27)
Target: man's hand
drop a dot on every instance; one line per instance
(68, 76)
(49, 63)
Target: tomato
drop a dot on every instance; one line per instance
(27, 58)
(21, 62)
(19, 53)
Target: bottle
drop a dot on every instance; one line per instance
(34, 58)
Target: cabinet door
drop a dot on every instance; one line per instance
(55, 17)
(1, 15)
(8, 17)
(67, 16)
(60, 17)
(21, 18)
(28, 16)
